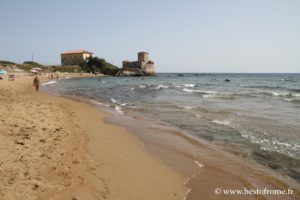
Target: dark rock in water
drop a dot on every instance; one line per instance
(133, 72)
(180, 74)
(227, 80)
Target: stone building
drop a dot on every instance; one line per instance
(143, 66)
(74, 57)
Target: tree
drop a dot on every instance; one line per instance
(31, 63)
(95, 64)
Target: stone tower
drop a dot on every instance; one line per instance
(142, 67)
(143, 57)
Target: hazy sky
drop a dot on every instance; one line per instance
(180, 35)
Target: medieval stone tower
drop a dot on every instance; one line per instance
(143, 57)
(143, 66)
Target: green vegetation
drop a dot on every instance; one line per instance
(4, 62)
(28, 65)
(99, 65)
(92, 65)
(32, 63)
(71, 68)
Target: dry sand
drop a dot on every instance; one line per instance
(55, 148)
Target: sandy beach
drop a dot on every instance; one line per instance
(55, 148)
(58, 148)
(150, 100)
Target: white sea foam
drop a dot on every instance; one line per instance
(199, 91)
(131, 88)
(280, 94)
(209, 92)
(119, 103)
(197, 115)
(275, 94)
(161, 87)
(119, 109)
(114, 100)
(224, 122)
(296, 94)
(189, 85)
(208, 95)
(188, 90)
(96, 102)
(187, 193)
(142, 86)
(187, 107)
(271, 144)
(49, 82)
(199, 164)
(99, 103)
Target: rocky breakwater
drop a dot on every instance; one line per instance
(147, 71)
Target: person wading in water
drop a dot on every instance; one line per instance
(36, 83)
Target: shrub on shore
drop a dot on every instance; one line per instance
(5, 62)
(92, 65)
(99, 65)
(27, 65)
(32, 63)
(65, 68)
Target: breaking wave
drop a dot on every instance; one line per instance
(161, 87)
(224, 122)
(190, 85)
(49, 82)
(119, 109)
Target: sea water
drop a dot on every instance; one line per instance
(257, 115)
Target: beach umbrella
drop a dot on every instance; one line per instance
(33, 71)
(36, 68)
(2, 71)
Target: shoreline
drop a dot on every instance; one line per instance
(57, 148)
(71, 158)
(204, 165)
(199, 161)
(212, 161)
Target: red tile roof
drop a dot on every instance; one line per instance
(76, 52)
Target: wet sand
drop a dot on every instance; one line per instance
(56, 148)
(205, 166)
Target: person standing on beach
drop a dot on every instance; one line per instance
(36, 83)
